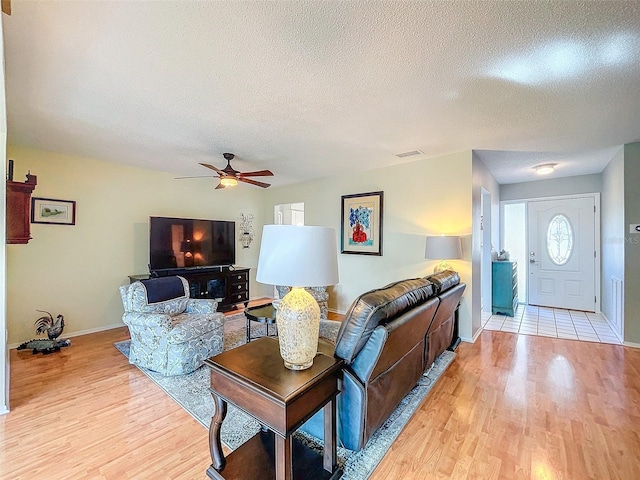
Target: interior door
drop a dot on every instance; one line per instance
(561, 239)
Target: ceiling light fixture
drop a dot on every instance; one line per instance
(545, 169)
(228, 181)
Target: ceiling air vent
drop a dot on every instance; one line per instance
(413, 153)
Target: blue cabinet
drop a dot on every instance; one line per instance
(504, 289)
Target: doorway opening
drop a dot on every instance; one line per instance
(537, 239)
(514, 240)
(288, 214)
(486, 249)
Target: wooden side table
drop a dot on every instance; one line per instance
(253, 378)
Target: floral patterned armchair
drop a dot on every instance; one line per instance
(318, 293)
(170, 333)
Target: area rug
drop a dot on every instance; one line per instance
(191, 392)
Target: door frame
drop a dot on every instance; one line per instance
(597, 233)
(486, 250)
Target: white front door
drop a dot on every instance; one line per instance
(562, 263)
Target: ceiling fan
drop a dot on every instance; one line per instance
(230, 177)
(6, 7)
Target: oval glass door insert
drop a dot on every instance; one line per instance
(559, 240)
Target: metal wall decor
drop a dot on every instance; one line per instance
(246, 229)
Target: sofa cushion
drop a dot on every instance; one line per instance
(444, 280)
(378, 307)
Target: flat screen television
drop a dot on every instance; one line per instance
(184, 243)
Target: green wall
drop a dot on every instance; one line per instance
(632, 243)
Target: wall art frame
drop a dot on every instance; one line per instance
(53, 212)
(361, 223)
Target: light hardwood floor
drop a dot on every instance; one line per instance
(510, 407)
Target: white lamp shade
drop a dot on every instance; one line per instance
(444, 247)
(298, 256)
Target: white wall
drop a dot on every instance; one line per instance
(76, 270)
(427, 197)
(4, 354)
(612, 233)
(552, 187)
(482, 181)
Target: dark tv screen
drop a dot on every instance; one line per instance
(176, 243)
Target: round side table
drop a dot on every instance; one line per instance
(264, 314)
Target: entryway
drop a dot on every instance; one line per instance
(561, 262)
(555, 243)
(553, 322)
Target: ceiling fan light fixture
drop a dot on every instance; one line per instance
(229, 177)
(545, 169)
(228, 181)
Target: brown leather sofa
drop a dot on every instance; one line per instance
(388, 338)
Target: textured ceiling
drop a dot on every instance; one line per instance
(313, 88)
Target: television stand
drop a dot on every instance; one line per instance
(230, 287)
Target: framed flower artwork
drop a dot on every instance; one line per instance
(361, 224)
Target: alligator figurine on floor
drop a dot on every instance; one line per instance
(44, 345)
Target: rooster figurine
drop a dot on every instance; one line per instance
(54, 330)
(46, 324)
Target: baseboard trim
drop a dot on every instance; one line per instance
(631, 344)
(612, 327)
(77, 333)
(474, 338)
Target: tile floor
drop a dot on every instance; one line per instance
(553, 322)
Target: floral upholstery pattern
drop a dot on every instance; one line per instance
(137, 300)
(172, 337)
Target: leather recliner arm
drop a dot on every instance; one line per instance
(364, 364)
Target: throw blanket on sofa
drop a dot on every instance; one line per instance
(163, 288)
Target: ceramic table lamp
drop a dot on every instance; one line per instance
(298, 256)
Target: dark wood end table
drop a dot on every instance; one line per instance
(253, 378)
(264, 314)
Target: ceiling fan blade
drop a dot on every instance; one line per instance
(230, 172)
(219, 186)
(254, 182)
(259, 173)
(213, 168)
(6, 7)
(199, 176)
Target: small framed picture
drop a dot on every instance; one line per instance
(361, 229)
(48, 210)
